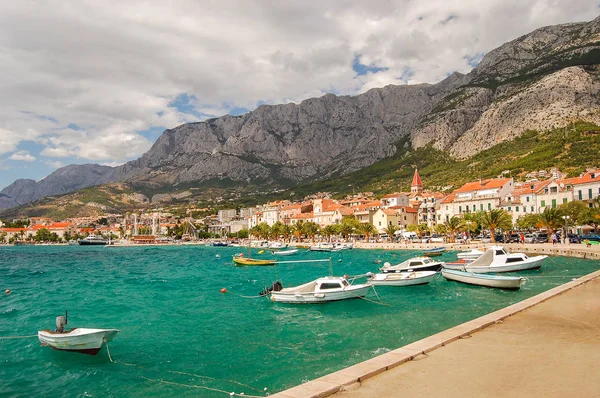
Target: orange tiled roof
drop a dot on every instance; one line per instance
(484, 184)
(449, 198)
(584, 179)
(14, 229)
(407, 209)
(303, 215)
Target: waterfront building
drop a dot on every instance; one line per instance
(394, 199)
(226, 215)
(483, 195)
(586, 187)
(399, 216)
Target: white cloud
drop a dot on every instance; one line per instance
(83, 79)
(22, 155)
(55, 164)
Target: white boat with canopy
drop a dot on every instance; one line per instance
(496, 259)
(321, 290)
(414, 264)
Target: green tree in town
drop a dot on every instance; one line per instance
(287, 232)
(550, 219)
(454, 225)
(298, 230)
(311, 229)
(390, 230)
(528, 221)
(496, 219)
(276, 230)
(330, 230)
(367, 229)
(423, 229)
(349, 225)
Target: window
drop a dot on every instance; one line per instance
(553, 203)
(564, 200)
(489, 206)
(474, 207)
(460, 209)
(590, 193)
(481, 207)
(325, 286)
(517, 209)
(532, 209)
(527, 198)
(579, 194)
(553, 189)
(543, 203)
(508, 208)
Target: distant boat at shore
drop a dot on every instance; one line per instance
(92, 240)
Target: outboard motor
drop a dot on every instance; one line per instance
(61, 322)
(275, 287)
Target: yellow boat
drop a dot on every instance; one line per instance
(247, 261)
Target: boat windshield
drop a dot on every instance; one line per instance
(326, 286)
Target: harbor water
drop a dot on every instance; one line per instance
(181, 336)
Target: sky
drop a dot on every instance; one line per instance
(99, 81)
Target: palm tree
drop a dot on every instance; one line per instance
(367, 229)
(496, 219)
(349, 225)
(454, 225)
(255, 231)
(551, 220)
(298, 230)
(264, 230)
(311, 229)
(286, 231)
(276, 230)
(330, 230)
(390, 230)
(422, 229)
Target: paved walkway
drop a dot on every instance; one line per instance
(549, 350)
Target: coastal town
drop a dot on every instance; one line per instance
(398, 215)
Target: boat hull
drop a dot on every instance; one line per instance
(434, 267)
(403, 278)
(81, 340)
(500, 282)
(530, 263)
(245, 262)
(285, 252)
(351, 292)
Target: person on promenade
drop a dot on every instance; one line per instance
(522, 237)
(554, 239)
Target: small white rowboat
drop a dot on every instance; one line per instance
(402, 278)
(83, 340)
(497, 281)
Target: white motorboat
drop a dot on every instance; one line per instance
(82, 340)
(472, 254)
(322, 290)
(277, 245)
(414, 264)
(288, 252)
(497, 281)
(323, 247)
(402, 278)
(93, 240)
(496, 259)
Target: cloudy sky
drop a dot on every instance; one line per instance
(98, 81)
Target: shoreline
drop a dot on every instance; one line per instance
(352, 378)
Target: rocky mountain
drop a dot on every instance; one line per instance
(547, 78)
(66, 179)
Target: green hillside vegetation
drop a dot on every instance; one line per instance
(572, 149)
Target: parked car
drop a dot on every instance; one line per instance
(529, 238)
(514, 238)
(592, 237)
(541, 237)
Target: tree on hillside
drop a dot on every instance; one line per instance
(551, 220)
(496, 219)
(367, 229)
(454, 225)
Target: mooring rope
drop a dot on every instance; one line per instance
(242, 296)
(212, 378)
(108, 350)
(18, 337)
(201, 387)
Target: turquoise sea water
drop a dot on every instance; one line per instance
(181, 337)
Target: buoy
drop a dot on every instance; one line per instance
(7, 291)
(218, 256)
(340, 260)
(223, 290)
